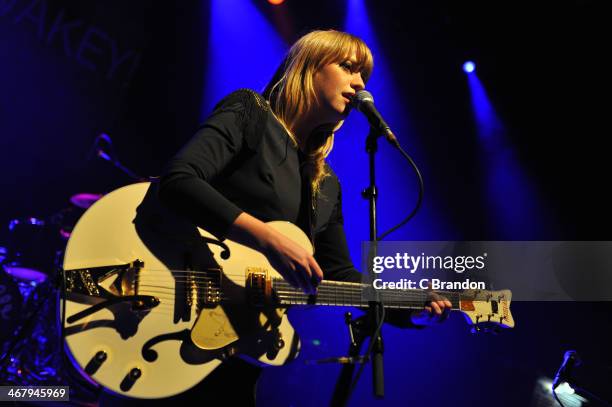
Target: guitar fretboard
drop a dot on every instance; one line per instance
(340, 293)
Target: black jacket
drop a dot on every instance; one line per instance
(242, 159)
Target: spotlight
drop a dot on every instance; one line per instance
(469, 67)
(565, 388)
(276, 2)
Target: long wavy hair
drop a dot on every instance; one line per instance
(291, 91)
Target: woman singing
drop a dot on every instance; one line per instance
(261, 157)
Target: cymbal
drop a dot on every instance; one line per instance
(84, 200)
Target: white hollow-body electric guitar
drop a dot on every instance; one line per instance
(147, 315)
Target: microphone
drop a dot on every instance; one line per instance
(570, 359)
(364, 102)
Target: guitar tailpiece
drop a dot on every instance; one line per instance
(139, 303)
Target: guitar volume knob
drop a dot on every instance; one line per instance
(96, 361)
(130, 379)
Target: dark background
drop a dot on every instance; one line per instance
(542, 63)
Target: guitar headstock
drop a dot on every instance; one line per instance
(487, 309)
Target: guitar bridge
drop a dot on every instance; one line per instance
(208, 293)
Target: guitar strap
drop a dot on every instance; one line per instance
(311, 203)
(307, 214)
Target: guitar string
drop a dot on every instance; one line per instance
(292, 297)
(327, 286)
(214, 274)
(204, 285)
(205, 276)
(289, 295)
(203, 281)
(344, 285)
(322, 290)
(170, 309)
(294, 301)
(290, 302)
(195, 276)
(279, 281)
(298, 298)
(328, 291)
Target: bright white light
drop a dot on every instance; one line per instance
(469, 67)
(565, 388)
(564, 391)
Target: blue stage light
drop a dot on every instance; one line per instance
(469, 67)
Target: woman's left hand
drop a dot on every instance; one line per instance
(434, 312)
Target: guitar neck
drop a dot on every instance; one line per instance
(340, 293)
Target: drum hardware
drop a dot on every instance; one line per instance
(34, 329)
(10, 306)
(31, 341)
(34, 354)
(84, 199)
(34, 246)
(31, 334)
(104, 149)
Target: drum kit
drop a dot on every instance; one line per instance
(31, 336)
(31, 346)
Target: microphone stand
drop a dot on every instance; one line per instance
(368, 325)
(111, 156)
(357, 333)
(375, 304)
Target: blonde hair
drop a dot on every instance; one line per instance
(291, 91)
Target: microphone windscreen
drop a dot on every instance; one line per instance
(361, 97)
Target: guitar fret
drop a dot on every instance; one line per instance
(338, 293)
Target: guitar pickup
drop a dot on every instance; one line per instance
(494, 307)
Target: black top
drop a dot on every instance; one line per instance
(242, 159)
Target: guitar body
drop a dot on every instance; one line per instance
(153, 304)
(121, 249)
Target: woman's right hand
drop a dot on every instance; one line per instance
(293, 262)
(289, 259)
